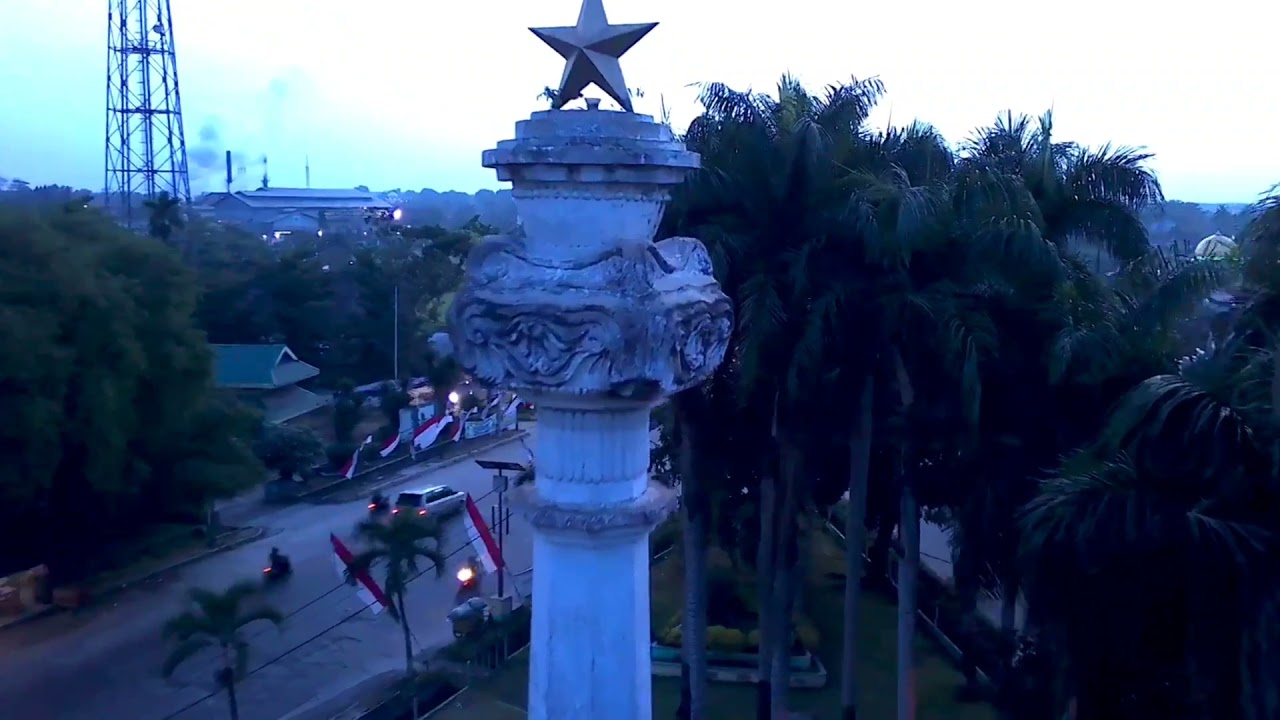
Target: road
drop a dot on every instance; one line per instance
(104, 664)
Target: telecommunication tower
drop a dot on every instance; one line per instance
(146, 150)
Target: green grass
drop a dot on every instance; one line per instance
(935, 678)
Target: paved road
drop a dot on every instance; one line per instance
(104, 664)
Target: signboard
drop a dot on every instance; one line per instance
(479, 428)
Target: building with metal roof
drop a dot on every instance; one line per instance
(265, 377)
(274, 212)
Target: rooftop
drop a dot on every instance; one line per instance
(258, 367)
(302, 198)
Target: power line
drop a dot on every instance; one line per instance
(466, 544)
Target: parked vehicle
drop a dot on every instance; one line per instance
(435, 500)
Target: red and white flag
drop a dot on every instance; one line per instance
(481, 540)
(429, 431)
(349, 470)
(460, 426)
(493, 405)
(390, 445)
(367, 589)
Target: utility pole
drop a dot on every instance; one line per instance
(499, 515)
(395, 335)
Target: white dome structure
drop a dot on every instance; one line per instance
(1216, 245)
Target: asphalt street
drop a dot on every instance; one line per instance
(104, 663)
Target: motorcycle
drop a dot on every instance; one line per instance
(379, 504)
(468, 577)
(278, 567)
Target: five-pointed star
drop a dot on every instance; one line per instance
(591, 50)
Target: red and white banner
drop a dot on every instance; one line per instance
(390, 445)
(481, 540)
(460, 425)
(493, 405)
(349, 470)
(429, 431)
(367, 589)
(511, 413)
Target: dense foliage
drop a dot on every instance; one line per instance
(986, 332)
(111, 422)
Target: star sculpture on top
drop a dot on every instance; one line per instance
(591, 50)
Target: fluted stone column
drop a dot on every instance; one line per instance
(584, 315)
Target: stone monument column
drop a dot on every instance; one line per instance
(581, 313)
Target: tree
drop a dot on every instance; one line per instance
(1082, 195)
(1160, 524)
(398, 547)
(288, 450)
(113, 423)
(164, 216)
(218, 620)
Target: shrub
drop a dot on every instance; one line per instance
(726, 640)
(673, 636)
(339, 453)
(808, 636)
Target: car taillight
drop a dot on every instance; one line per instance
(372, 506)
(393, 512)
(422, 512)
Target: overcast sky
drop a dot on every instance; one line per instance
(406, 93)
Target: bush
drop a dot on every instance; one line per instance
(339, 453)
(673, 636)
(808, 636)
(726, 640)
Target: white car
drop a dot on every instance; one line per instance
(435, 500)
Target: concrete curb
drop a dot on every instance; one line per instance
(96, 596)
(426, 467)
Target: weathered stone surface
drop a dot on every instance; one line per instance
(579, 300)
(634, 319)
(641, 514)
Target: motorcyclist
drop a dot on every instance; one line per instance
(279, 561)
(378, 501)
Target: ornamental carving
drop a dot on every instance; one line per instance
(634, 319)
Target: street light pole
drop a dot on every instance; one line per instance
(395, 336)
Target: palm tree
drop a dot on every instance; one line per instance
(217, 619)
(164, 216)
(1162, 527)
(770, 189)
(1082, 195)
(399, 547)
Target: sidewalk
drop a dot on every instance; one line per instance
(106, 584)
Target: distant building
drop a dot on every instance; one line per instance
(265, 377)
(277, 212)
(1216, 245)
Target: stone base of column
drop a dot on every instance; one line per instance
(589, 657)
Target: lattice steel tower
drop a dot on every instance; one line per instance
(146, 150)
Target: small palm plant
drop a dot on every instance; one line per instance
(218, 619)
(399, 547)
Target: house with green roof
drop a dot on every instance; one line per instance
(266, 377)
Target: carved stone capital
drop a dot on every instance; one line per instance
(636, 516)
(633, 319)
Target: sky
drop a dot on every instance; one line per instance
(407, 93)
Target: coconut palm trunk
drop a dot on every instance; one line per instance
(855, 533)
(695, 512)
(784, 579)
(764, 600)
(909, 566)
(908, 582)
(232, 704)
